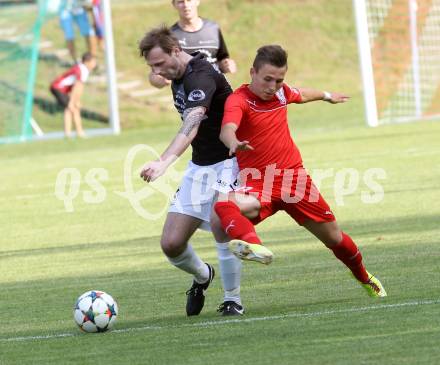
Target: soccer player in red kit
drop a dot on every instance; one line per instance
(272, 175)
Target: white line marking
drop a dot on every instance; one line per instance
(17, 339)
(238, 320)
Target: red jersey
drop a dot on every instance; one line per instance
(264, 124)
(65, 82)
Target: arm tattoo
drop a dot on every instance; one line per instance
(192, 117)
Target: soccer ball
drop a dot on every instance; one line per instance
(95, 311)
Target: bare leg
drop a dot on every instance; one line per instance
(101, 44)
(91, 44)
(71, 47)
(67, 122)
(328, 233)
(217, 230)
(78, 123)
(176, 233)
(342, 246)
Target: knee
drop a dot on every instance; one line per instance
(333, 238)
(172, 246)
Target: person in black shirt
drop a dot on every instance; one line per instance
(196, 34)
(199, 92)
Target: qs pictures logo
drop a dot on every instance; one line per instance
(150, 201)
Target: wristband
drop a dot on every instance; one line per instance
(327, 96)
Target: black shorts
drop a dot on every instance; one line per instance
(62, 99)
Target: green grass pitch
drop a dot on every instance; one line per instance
(302, 309)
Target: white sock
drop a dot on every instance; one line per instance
(189, 262)
(230, 272)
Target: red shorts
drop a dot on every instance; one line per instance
(294, 193)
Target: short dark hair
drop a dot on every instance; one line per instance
(271, 54)
(158, 37)
(87, 57)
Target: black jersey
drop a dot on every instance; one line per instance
(207, 40)
(203, 85)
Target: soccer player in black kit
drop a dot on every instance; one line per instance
(199, 92)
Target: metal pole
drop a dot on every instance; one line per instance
(413, 7)
(366, 63)
(111, 68)
(26, 129)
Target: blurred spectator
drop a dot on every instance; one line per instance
(74, 11)
(98, 22)
(68, 89)
(196, 34)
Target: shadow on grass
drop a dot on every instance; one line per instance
(371, 227)
(155, 297)
(379, 227)
(151, 243)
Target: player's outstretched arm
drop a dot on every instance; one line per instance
(191, 122)
(308, 95)
(229, 139)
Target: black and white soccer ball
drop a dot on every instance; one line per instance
(95, 311)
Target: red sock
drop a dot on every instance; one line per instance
(234, 223)
(349, 254)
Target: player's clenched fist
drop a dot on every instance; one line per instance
(152, 170)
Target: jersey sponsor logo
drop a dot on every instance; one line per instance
(207, 53)
(222, 183)
(208, 41)
(179, 99)
(196, 95)
(294, 90)
(230, 225)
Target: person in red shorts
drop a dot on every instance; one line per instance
(68, 89)
(272, 176)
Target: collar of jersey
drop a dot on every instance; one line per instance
(196, 56)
